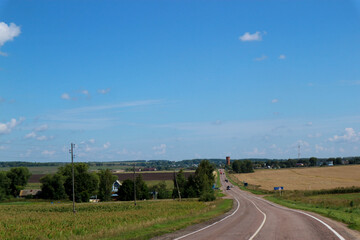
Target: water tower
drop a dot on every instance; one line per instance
(228, 160)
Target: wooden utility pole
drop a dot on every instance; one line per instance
(73, 175)
(177, 186)
(134, 187)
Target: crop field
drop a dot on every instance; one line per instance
(109, 220)
(304, 178)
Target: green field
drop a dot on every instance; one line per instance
(108, 220)
(169, 183)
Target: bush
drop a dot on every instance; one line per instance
(207, 196)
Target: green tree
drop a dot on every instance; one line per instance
(19, 177)
(5, 183)
(179, 181)
(106, 180)
(338, 161)
(162, 191)
(86, 183)
(142, 190)
(52, 187)
(204, 178)
(313, 161)
(126, 191)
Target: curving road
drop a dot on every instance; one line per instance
(256, 218)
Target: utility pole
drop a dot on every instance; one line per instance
(134, 187)
(177, 186)
(73, 175)
(298, 152)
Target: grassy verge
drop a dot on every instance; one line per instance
(347, 215)
(218, 192)
(109, 220)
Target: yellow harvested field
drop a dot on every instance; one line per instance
(304, 178)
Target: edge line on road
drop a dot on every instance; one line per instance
(238, 205)
(309, 215)
(263, 222)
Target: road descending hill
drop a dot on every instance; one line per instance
(259, 219)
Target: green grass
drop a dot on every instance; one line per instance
(33, 186)
(218, 192)
(109, 220)
(169, 183)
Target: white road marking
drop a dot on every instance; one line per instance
(238, 205)
(289, 209)
(263, 222)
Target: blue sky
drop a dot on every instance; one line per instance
(128, 80)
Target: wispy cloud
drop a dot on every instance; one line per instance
(350, 83)
(41, 128)
(282, 57)
(104, 91)
(262, 58)
(65, 96)
(160, 150)
(275, 100)
(106, 145)
(113, 106)
(248, 37)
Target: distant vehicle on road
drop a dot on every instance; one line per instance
(228, 188)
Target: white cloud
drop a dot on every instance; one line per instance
(41, 128)
(42, 138)
(349, 136)
(91, 140)
(256, 152)
(319, 148)
(30, 135)
(85, 92)
(275, 100)
(9, 126)
(65, 96)
(282, 57)
(106, 145)
(159, 150)
(48, 153)
(262, 58)
(104, 91)
(8, 32)
(309, 124)
(248, 37)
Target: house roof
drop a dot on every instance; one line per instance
(29, 192)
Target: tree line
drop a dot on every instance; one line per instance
(13, 181)
(58, 186)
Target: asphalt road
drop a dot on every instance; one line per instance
(255, 218)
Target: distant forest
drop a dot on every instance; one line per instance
(193, 163)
